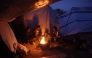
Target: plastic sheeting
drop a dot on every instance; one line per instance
(45, 17)
(79, 21)
(7, 36)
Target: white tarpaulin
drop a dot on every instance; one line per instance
(7, 36)
(78, 20)
(45, 17)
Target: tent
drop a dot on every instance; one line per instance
(10, 9)
(45, 17)
(8, 12)
(77, 20)
(8, 36)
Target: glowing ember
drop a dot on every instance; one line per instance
(43, 41)
(41, 3)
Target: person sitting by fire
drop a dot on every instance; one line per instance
(55, 34)
(47, 36)
(37, 32)
(28, 34)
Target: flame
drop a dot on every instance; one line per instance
(43, 41)
(41, 3)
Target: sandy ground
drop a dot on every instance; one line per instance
(64, 50)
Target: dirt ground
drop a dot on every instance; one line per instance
(69, 50)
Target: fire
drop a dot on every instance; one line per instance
(41, 3)
(43, 41)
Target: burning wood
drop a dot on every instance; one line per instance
(43, 40)
(43, 43)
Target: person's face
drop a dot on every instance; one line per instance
(28, 30)
(45, 34)
(53, 29)
(38, 28)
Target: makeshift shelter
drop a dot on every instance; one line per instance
(9, 11)
(78, 19)
(45, 17)
(8, 36)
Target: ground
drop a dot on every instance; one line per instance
(57, 50)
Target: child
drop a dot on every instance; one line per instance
(55, 34)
